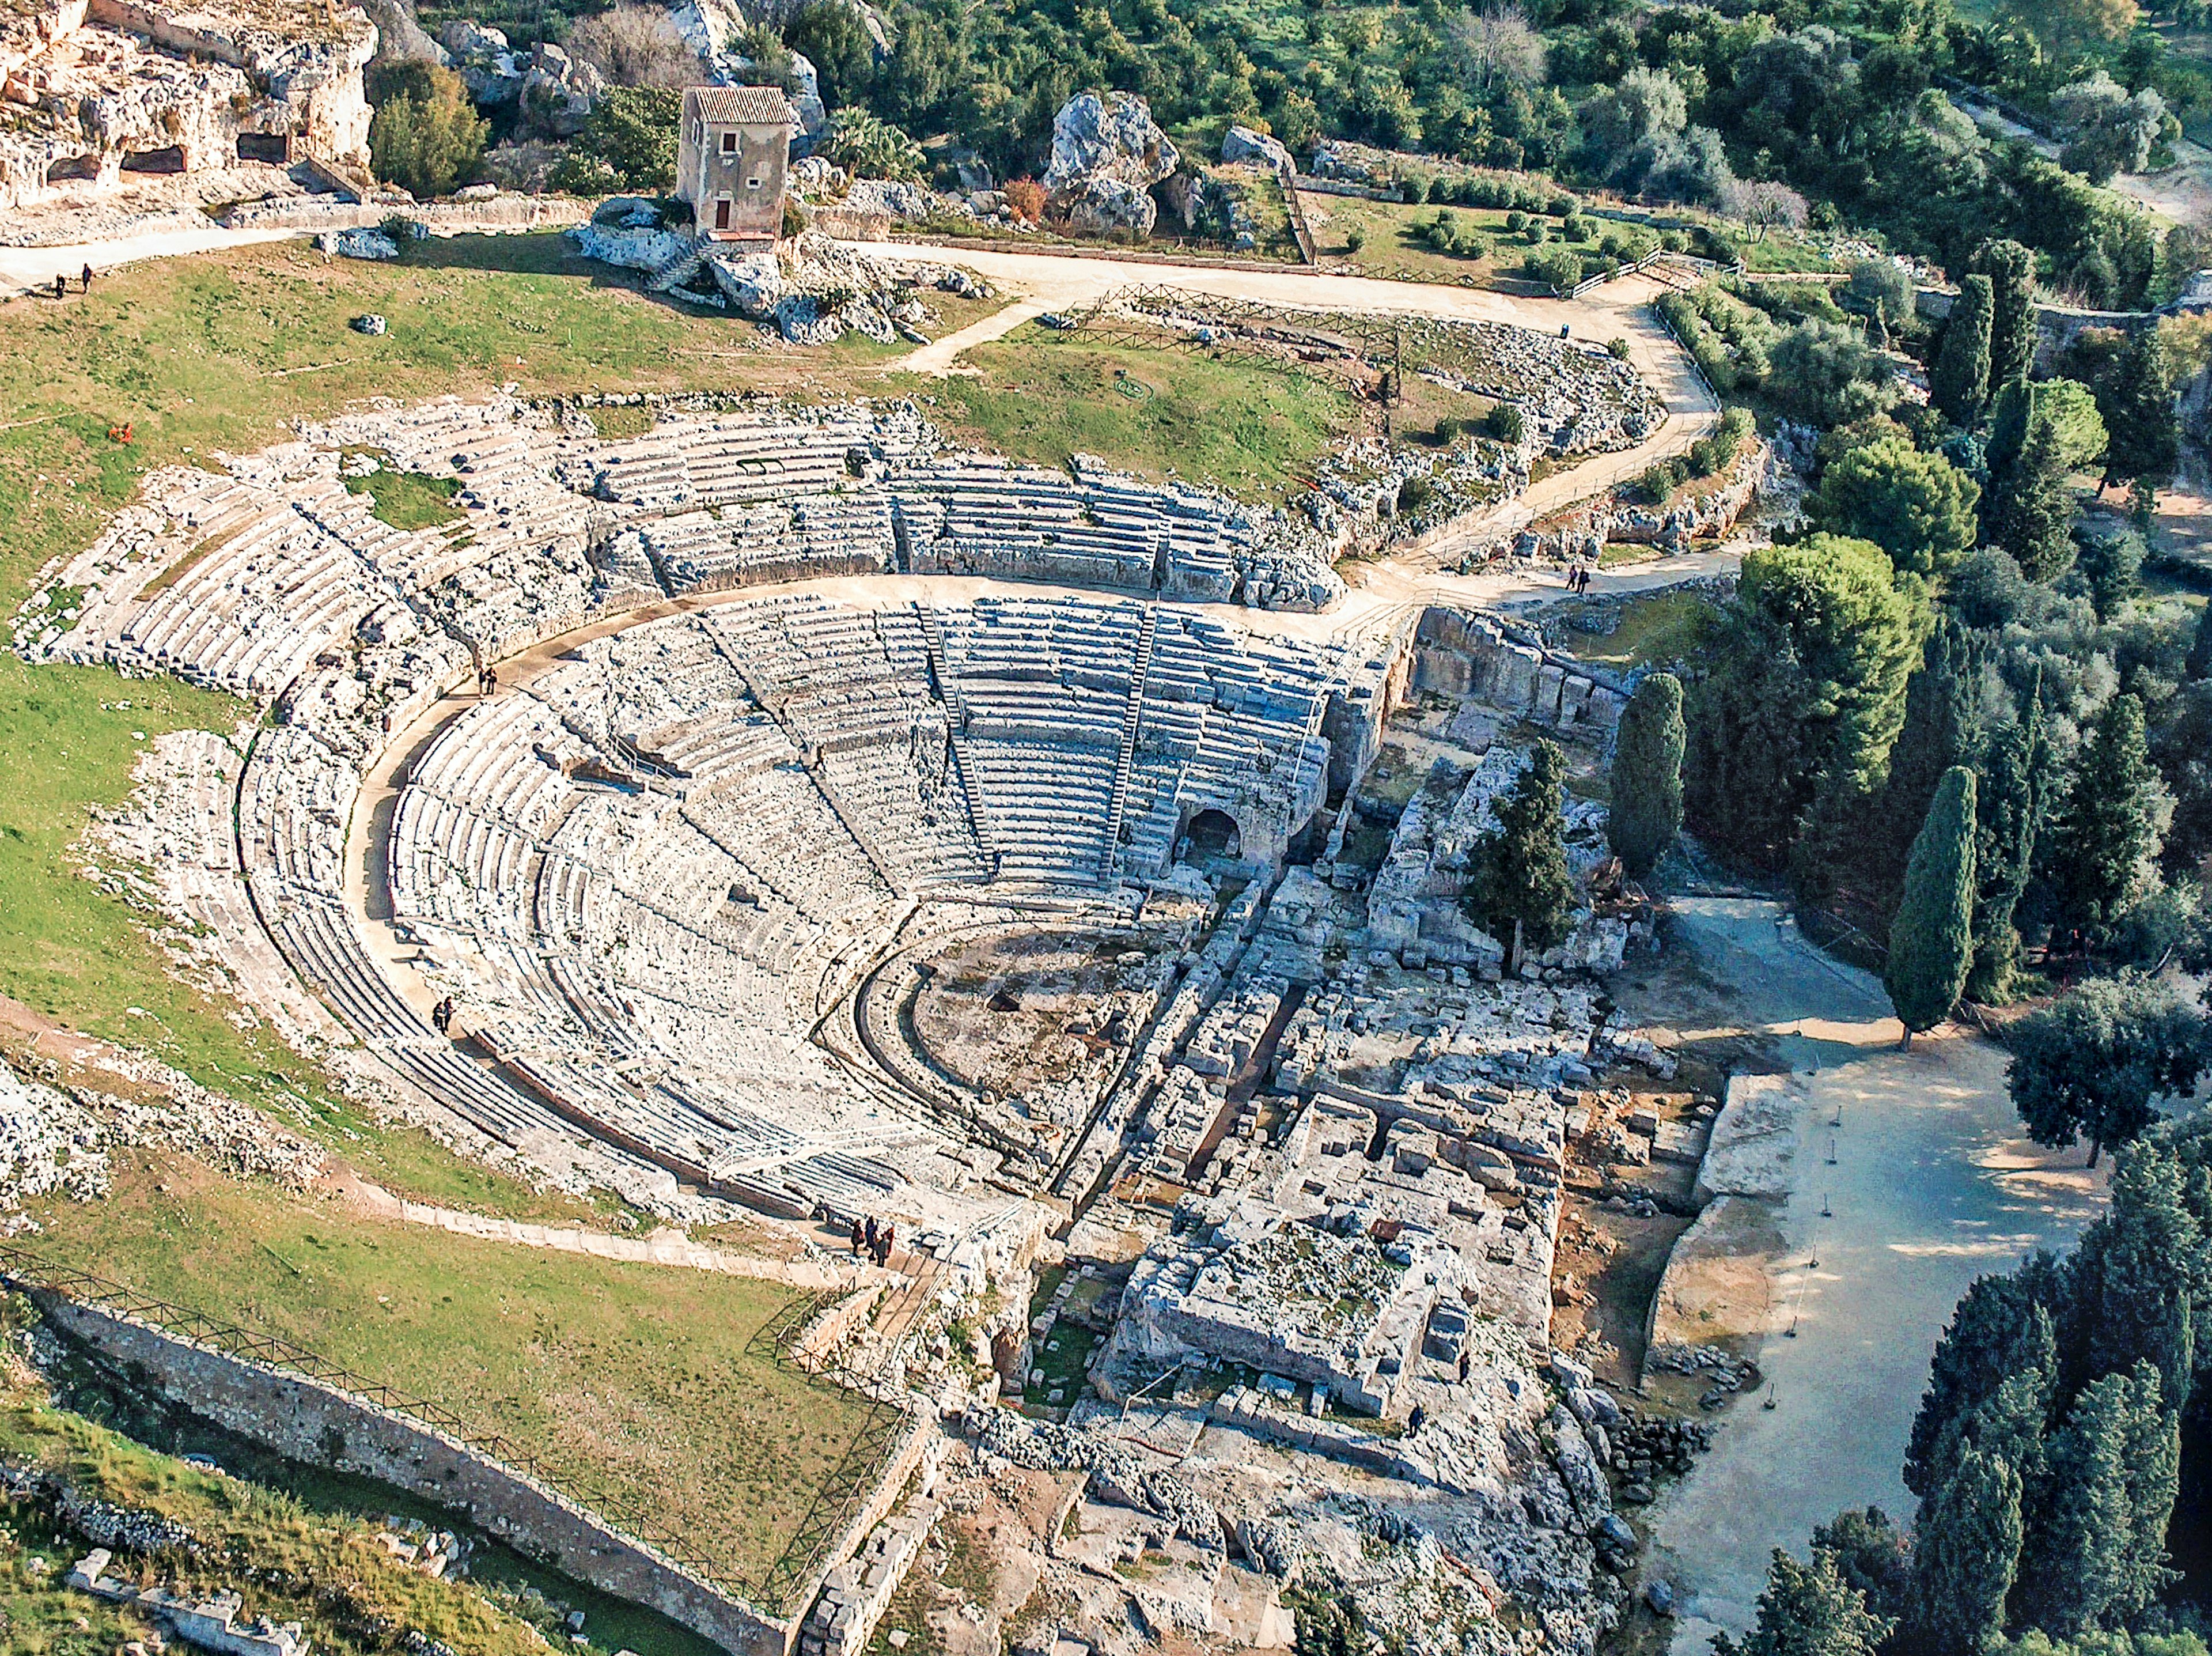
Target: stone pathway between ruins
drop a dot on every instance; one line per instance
(1930, 1187)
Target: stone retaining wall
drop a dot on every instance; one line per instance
(321, 1426)
(1463, 654)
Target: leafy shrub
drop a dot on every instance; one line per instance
(1506, 422)
(628, 144)
(869, 147)
(1557, 268)
(425, 136)
(1026, 196)
(1574, 228)
(1414, 493)
(1560, 206)
(1448, 428)
(1539, 232)
(1515, 221)
(1617, 349)
(1354, 238)
(1416, 186)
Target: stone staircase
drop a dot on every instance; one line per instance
(955, 726)
(1133, 712)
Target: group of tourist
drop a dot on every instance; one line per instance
(876, 1238)
(61, 283)
(442, 1016)
(1578, 578)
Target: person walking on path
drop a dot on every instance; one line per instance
(852, 1247)
(88, 276)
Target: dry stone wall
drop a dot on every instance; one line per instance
(321, 1426)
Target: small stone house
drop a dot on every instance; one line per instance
(731, 154)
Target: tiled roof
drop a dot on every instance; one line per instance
(740, 105)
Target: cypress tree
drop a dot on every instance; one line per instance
(1870, 1555)
(2004, 1326)
(2009, 815)
(1809, 1610)
(2108, 828)
(2033, 513)
(1521, 864)
(2100, 1555)
(2138, 1271)
(1646, 811)
(2143, 430)
(2077, 1564)
(1966, 1552)
(1932, 940)
(1959, 382)
(2199, 665)
(2011, 271)
(1938, 733)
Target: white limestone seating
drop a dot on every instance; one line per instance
(721, 459)
(982, 515)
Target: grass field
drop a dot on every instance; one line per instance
(336, 1579)
(1042, 397)
(1657, 631)
(624, 1377)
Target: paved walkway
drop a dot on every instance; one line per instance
(1930, 1186)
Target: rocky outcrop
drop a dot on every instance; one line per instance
(1107, 154)
(118, 85)
(1242, 143)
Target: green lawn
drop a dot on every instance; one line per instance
(1657, 631)
(619, 1377)
(337, 1580)
(408, 500)
(1041, 396)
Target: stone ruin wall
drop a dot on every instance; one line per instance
(320, 1426)
(1460, 653)
(95, 84)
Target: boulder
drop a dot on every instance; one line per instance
(1107, 153)
(753, 283)
(1242, 143)
(1103, 206)
(557, 92)
(491, 69)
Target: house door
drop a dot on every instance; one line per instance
(722, 215)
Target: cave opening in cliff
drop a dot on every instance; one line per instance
(170, 160)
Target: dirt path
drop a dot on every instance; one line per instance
(1928, 1187)
(1618, 310)
(667, 1247)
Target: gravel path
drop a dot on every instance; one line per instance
(1930, 1187)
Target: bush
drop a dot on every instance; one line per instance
(1506, 422)
(1414, 493)
(1559, 206)
(1026, 196)
(1538, 233)
(1574, 228)
(1515, 221)
(1354, 238)
(1448, 428)
(1661, 479)
(1416, 188)
(426, 136)
(1617, 349)
(628, 144)
(1557, 268)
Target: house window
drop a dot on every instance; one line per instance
(753, 183)
(729, 143)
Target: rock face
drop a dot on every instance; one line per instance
(1107, 153)
(117, 85)
(1242, 143)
